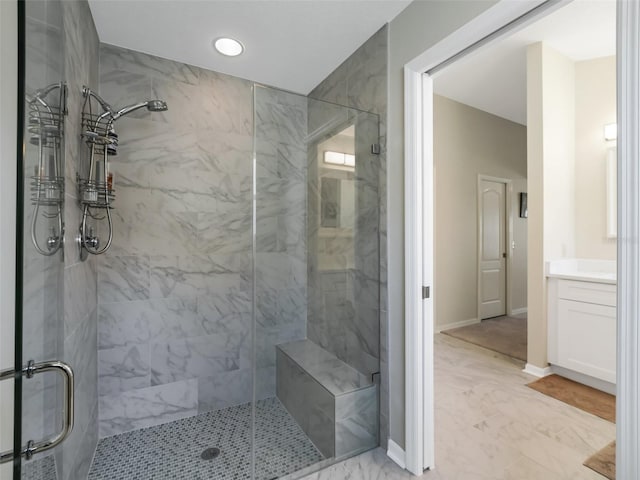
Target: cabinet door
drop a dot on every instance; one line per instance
(587, 339)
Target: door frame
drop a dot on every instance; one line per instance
(508, 238)
(418, 160)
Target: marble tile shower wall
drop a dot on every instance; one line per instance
(361, 82)
(80, 298)
(175, 289)
(281, 221)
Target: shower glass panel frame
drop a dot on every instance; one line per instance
(39, 328)
(316, 285)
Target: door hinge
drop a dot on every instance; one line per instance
(375, 148)
(426, 292)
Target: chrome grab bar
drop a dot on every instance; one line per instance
(67, 374)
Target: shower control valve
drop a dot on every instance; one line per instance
(90, 240)
(52, 242)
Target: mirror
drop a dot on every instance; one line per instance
(337, 185)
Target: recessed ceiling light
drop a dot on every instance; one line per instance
(228, 46)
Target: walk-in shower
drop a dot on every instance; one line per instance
(222, 315)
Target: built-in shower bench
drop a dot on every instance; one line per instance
(335, 405)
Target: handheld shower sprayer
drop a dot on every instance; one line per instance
(96, 182)
(151, 105)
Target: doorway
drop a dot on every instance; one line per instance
(417, 88)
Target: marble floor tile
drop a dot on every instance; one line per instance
(490, 425)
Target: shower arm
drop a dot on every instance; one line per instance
(128, 109)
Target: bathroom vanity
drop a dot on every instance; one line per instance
(581, 303)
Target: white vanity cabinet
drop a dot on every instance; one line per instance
(582, 323)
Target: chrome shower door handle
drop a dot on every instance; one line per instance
(67, 375)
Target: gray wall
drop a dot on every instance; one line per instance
(421, 25)
(8, 129)
(174, 328)
(361, 82)
(80, 300)
(60, 291)
(176, 291)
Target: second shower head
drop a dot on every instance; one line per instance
(157, 106)
(151, 105)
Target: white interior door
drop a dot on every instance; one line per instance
(492, 277)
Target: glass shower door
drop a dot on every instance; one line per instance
(316, 274)
(45, 385)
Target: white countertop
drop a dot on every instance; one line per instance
(599, 271)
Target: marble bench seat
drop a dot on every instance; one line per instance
(336, 405)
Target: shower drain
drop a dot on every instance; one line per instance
(210, 453)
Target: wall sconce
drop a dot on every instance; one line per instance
(610, 132)
(338, 158)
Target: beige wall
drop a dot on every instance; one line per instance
(595, 97)
(558, 137)
(551, 152)
(418, 27)
(469, 142)
(568, 103)
(551, 120)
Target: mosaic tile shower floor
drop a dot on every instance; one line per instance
(172, 450)
(39, 469)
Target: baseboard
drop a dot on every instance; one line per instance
(519, 311)
(588, 380)
(537, 371)
(395, 453)
(461, 323)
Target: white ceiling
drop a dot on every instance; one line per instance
(290, 44)
(495, 79)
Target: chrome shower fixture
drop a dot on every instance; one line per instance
(95, 181)
(151, 105)
(47, 108)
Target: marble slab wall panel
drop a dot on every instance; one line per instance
(175, 288)
(80, 50)
(327, 398)
(147, 407)
(356, 421)
(311, 405)
(281, 222)
(361, 82)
